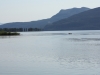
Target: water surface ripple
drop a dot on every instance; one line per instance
(51, 53)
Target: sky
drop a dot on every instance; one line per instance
(32, 10)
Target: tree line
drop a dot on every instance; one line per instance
(19, 29)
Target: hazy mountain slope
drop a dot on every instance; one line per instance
(33, 24)
(0, 23)
(42, 23)
(67, 13)
(88, 20)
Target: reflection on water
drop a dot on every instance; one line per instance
(51, 53)
(83, 39)
(2, 37)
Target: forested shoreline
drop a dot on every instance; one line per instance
(19, 29)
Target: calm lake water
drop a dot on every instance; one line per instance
(51, 53)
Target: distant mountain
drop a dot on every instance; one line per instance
(42, 23)
(0, 23)
(67, 13)
(32, 24)
(87, 20)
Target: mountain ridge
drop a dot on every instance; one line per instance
(65, 13)
(42, 23)
(0, 23)
(87, 20)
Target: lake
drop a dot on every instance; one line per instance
(51, 53)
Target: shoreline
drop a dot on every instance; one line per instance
(4, 33)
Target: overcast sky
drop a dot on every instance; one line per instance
(31, 10)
